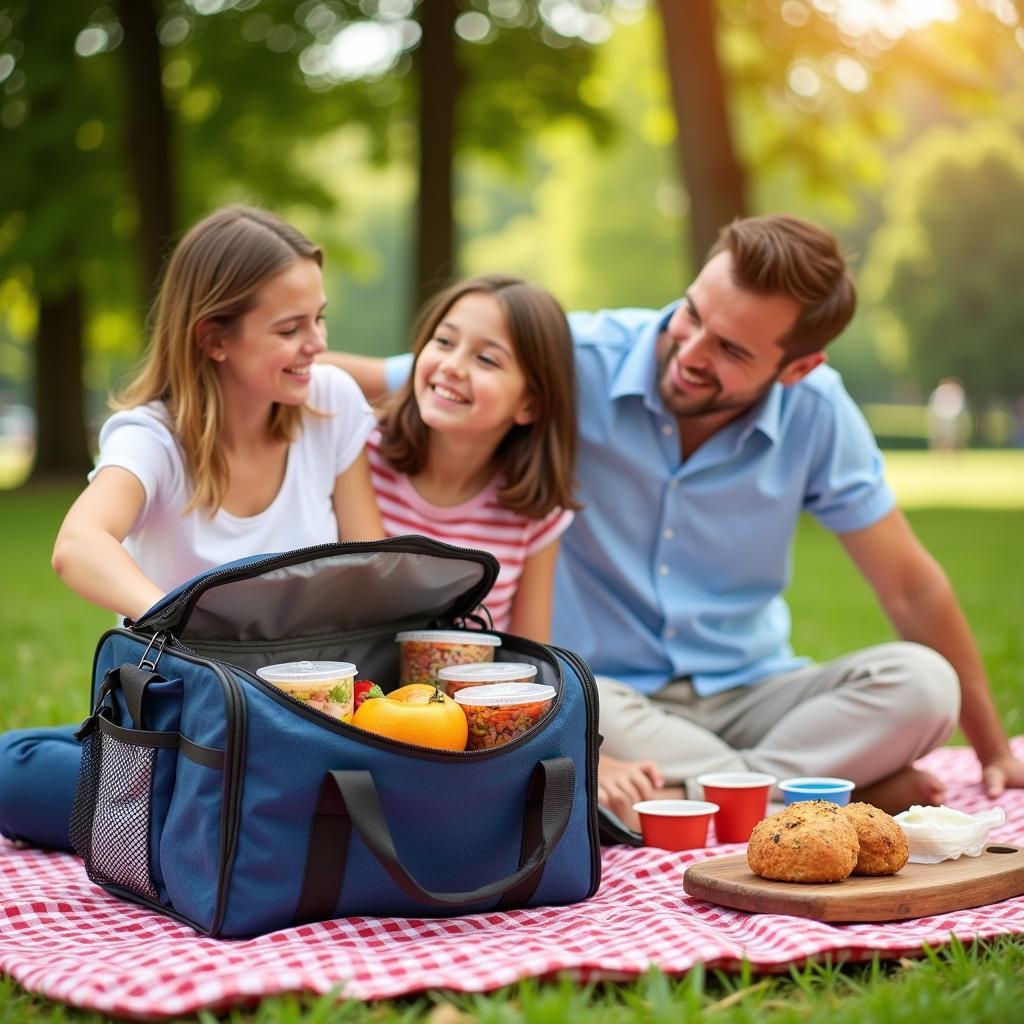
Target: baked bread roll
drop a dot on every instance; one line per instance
(883, 846)
(809, 841)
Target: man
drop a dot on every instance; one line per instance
(706, 429)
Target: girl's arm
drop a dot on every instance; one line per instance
(531, 606)
(88, 554)
(355, 506)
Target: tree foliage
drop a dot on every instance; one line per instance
(946, 264)
(605, 227)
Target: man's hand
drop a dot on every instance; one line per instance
(367, 371)
(998, 775)
(620, 784)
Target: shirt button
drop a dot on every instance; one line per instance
(669, 533)
(670, 633)
(673, 485)
(666, 429)
(663, 569)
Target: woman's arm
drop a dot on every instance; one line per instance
(87, 554)
(355, 505)
(531, 606)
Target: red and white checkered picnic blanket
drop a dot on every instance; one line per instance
(64, 938)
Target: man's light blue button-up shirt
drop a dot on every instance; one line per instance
(677, 568)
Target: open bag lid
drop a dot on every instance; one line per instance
(325, 589)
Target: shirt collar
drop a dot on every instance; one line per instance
(637, 373)
(765, 416)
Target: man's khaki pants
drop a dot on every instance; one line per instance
(862, 717)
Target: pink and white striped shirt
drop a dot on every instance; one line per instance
(482, 522)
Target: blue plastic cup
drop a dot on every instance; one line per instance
(836, 791)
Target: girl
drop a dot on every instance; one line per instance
(229, 442)
(477, 447)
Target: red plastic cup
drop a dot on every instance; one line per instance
(742, 799)
(675, 824)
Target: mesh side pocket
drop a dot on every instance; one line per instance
(110, 819)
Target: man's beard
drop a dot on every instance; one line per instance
(684, 406)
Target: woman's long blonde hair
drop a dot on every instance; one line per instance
(214, 275)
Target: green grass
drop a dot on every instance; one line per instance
(48, 636)
(975, 479)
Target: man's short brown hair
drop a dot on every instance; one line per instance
(779, 254)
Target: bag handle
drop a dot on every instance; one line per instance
(348, 799)
(132, 680)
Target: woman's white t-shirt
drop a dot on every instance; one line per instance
(171, 547)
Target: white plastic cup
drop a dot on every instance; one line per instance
(324, 685)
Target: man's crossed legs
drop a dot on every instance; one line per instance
(866, 716)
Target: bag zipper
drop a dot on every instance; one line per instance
(234, 751)
(233, 756)
(593, 750)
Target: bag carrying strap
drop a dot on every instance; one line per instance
(134, 680)
(348, 799)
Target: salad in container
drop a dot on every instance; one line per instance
(324, 685)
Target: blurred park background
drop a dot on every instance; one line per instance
(593, 145)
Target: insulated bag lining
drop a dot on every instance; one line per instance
(333, 594)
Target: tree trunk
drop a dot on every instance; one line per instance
(709, 166)
(148, 137)
(62, 447)
(438, 81)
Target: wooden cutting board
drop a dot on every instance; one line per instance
(919, 890)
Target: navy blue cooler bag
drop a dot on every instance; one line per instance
(210, 795)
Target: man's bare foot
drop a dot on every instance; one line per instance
(898, 792)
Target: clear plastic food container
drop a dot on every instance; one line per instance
(425, 652)
(482, 673)
(324, 685)
(500, 712)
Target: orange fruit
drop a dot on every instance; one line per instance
(416, 713)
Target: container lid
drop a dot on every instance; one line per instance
(500, 694)
(450, 636)
(307, 671)
(489, 672)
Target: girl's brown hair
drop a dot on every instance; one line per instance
(214, 276)
(536, 461)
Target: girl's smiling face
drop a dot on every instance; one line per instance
(267, 356)
(467, 378)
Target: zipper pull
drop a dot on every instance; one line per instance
(160, 640)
